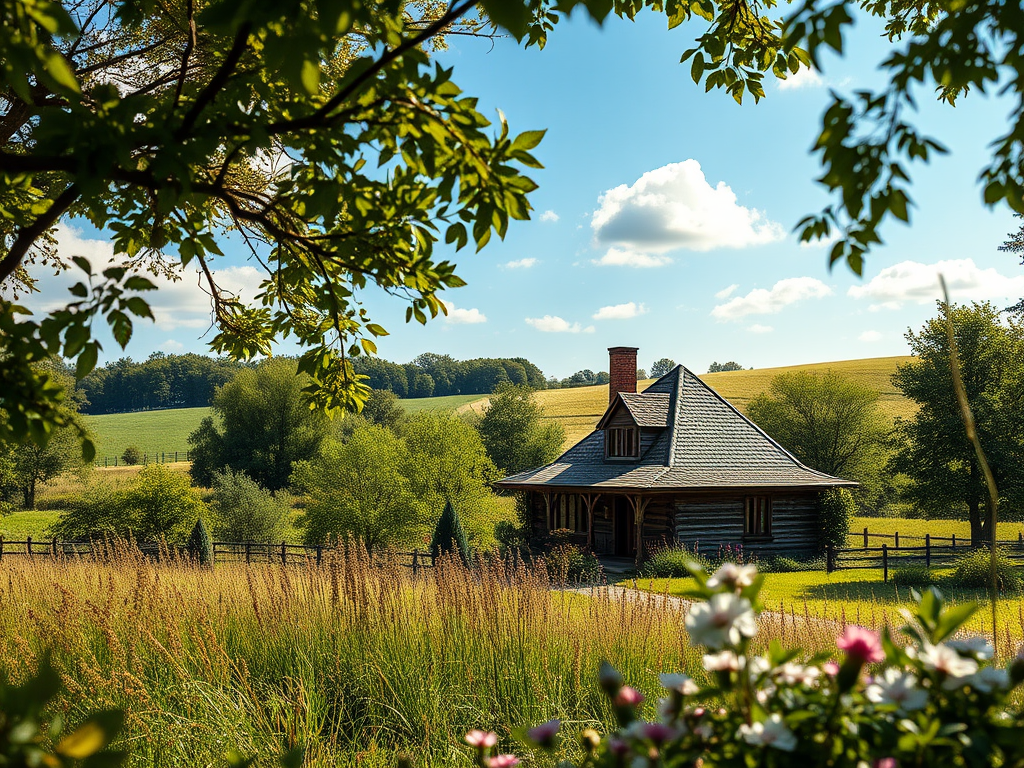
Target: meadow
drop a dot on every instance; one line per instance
(359, 662)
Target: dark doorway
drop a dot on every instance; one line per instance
(625, 528)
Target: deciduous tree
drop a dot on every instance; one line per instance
(661, 367)
(513, 434)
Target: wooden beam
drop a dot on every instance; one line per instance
(589, 500)
(639, 505)
(547, 511)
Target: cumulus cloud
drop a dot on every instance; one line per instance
(520, 263)
(620, 311)
(555, 324)
(458, 316)
(675, 207)
(805, 78)
(870, 336)
(617, 257)
(549, 215)
(758, 328)
(917, 282)
(764, 301)
(725, 293)
(172, 346)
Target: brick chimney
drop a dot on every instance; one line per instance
(621, 371)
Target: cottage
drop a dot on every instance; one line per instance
(676, 463)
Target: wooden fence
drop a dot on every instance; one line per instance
(147, 457)
(963, 541)
(247, 552)
(931, 554)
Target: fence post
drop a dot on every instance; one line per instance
(1020, 539)
(897, 539)
(53, 547)
(885, 562)
(284, 554)
(28, 546)
(954, 541)
(247, 553)
(319, 554)
(415, 561)
(1, 546)
(115, 461)
(830, 558)
(927, 550)
(175, 457)
(865, 537)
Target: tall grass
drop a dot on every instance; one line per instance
(359, 661)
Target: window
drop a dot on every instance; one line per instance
(757, 519)
(621, 443)
(568, 513)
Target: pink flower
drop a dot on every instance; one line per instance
(618, 746)
(502, 761)
(861, 645)
(698, 712)
(544, 733)
(628, 697)
(831, 668)
(481, 739)
(886, 762)
(657, 732)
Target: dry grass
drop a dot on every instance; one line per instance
(579, 409)
(358, 662)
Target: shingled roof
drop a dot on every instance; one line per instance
(705, 443)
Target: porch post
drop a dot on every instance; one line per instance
(589, 500)
(639, 504)
(547, 511)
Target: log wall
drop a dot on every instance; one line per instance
(713, 521)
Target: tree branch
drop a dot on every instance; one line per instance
(209, 93)
(28, 235)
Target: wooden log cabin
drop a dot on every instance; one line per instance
(675, 463)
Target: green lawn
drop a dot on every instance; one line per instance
(946, 528)
(34, 523)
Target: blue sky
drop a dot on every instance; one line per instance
(665, 216)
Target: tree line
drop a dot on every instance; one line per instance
(436, 375)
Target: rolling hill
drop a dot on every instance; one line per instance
(579, 409)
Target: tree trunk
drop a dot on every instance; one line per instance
(29, 492)
(977, 513)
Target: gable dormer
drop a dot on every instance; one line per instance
(632, 422)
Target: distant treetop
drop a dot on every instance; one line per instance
(723, 367)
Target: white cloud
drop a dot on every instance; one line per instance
(555, 324)
(617, 257)
(520, 263)
(914, 281)
(463, 316)
(549, 215)
(758, 328)
(870, 336)
(675, 207)
(804, 78)
(172, 346)
(761, 301)
(824, 242)
(620, 311)
(725, 293)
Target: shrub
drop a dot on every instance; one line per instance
(199, 545)
(244, 510)
(449, 535)
(568, 562)
(781, 564)
(837, 510)
(131, 456)
(973, 570)
(670, 562)
(913, 575)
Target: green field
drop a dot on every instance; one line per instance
(579, 409)
(944, 528)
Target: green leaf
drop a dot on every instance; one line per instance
(528, 140)
(310, 76)
(139, 283)
(513, 15)
(697, 67)
(92, 736)
(138, 307)
(87, 360)
(62, 74)
(83, 264)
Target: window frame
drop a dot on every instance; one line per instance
(758, 514)
(615, 436)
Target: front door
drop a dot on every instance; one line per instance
(625, 528)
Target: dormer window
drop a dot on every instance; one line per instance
(622, 442)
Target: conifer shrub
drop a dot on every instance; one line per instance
(200, 545)
(837, 510)
(449, 535)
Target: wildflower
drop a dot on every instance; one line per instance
(724, 619)
(830, 668)
(628, 697)
(725, 661)
(976, 646)
(769, 733)
(861, 645)
(894, 687)
(657, 732)
(944, 660)
(618, 746)
(502, 761)
(679, 683)
(609, 678)
(792, 673)
(886, 762)
(481, 739)
(544, 734)
(733, 576)
(987, 679)
(756, 666)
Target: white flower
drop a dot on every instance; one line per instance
(988, 679)
(973, 646)
(726, 661)
(757, 666)
(792, 673)
(769, 733)
(894, 687)
(679, 683)
(725, 619)
(942, 658)
(733, 576)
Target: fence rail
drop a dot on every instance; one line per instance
(886, 557)
(247, 552)
(954, 541)
(148, 457)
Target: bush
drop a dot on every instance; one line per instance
(973, 570)
(837, 510)
(568, 562)
(670, 562)
(781, 564)
(131, 456)
(914, 575)
(244, 510)
(199, 545)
